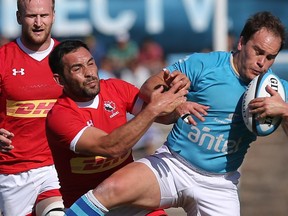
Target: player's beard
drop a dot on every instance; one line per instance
(82, 92)
(31, 38)
(91, 92)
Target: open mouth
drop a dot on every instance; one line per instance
(37, 31)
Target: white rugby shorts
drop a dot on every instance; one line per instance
(196, 193)
(18, 192)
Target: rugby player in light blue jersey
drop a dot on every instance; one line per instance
(196, 168)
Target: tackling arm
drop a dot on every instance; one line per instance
(96, 142)
(166, 80)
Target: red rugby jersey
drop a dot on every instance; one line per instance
(79, 173)
(27, 93)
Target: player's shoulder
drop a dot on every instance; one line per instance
(9, 52)
(117, 87)
(215, 57)
(114, 83)
(6, 48)
(56, 42)
(207, 60)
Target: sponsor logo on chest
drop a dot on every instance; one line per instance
(110, 107)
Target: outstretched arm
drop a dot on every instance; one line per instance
(95, 141)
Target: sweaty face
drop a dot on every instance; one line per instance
(36, 18)
(257, 55)
(81, 81)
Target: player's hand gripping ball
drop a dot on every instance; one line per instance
(255, 89)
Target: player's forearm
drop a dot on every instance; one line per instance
(168, 119)
(122, 139)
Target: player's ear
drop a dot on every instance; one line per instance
(240, 43)
(18, 16)
(58, 79)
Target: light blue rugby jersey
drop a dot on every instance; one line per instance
(219, 144)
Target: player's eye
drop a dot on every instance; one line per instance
(271, 57)
(75, 69)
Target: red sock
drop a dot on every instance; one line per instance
(159, 212)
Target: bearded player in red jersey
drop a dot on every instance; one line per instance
(87, 128)
(29, 182)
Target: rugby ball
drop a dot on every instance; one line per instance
(255, 89)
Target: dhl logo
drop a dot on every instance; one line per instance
(90, 165)
(29, 109)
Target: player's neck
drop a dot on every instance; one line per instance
(36, 47)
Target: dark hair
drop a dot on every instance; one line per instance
(266, 20)
(65, 47)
